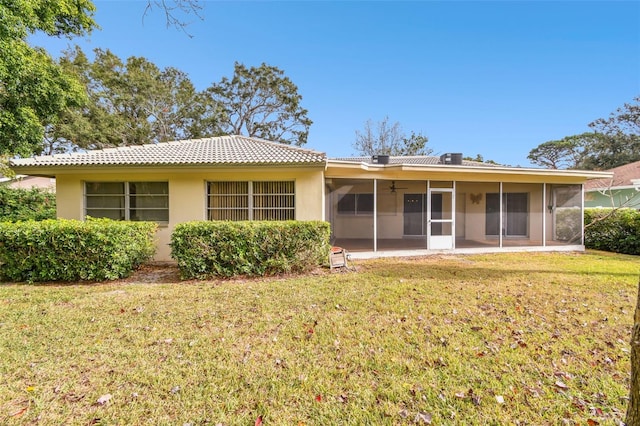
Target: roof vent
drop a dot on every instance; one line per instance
(451, 159)
(380, 159)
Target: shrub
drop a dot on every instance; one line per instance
(619, 232)
(26, 204)
(71, 250)
(203, 249)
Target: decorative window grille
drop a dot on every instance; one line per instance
(269, 200)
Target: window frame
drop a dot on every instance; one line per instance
(126, 205)
(356, 210)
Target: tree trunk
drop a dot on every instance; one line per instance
(633, 410)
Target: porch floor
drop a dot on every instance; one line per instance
(355, 245)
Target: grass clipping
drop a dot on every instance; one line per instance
(494, 339)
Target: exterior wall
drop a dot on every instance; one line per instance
(187, 192)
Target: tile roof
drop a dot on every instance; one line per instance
(235, 149)
(413, 160)
(622, 176)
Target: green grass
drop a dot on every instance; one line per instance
(447, 337)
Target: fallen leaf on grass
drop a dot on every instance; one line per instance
(403, 413)
(561, 385)
(319, 398)
(592, 422)
(258, 421)
(20, 412)
(423, 417)
(104, 399)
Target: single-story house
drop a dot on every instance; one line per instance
(380, 204)
(622, 190)
(28, 182)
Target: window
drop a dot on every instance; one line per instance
(128, 200)
(269, 200)
(355, 204)
(515, 214)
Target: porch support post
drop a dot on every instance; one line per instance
(544, 215)
(582, 213)
(453, 216)
(375, 215)
(501, 224)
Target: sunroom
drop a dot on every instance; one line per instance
(388, 204)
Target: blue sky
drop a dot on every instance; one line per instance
(489, 78)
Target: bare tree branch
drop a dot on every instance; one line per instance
(176, 11)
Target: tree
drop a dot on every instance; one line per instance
(625, 120)
(173, 11)
(620, 141)
(615, 141)
(633, 409)
(566, 153)
(33, 88)
(260, 102)
(384, 138)
(130, 103)
(480, 159)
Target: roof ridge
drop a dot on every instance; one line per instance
(279, 144)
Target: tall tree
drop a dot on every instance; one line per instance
(261, 102)
(615, 141)
(387, 138)
(33, 88)
(130, 103)
(566, 153)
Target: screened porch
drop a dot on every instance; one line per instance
(390, 215)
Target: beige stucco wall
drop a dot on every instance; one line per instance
(187, 191)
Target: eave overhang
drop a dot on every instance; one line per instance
(340, 168)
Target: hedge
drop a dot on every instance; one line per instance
(209, 248)
(619, 233)
(71, 250)
(26, 204)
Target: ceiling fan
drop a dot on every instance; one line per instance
(393, 186)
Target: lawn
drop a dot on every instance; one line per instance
(526, 339)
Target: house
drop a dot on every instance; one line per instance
(380, 204)
(28, 182)
(622, 190)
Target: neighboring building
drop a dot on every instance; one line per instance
(28, 182)
(622, 190)
(377, 204)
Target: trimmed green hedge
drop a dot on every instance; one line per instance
(26, 204)
(204, 249)
(619, 233)
(71, 250)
